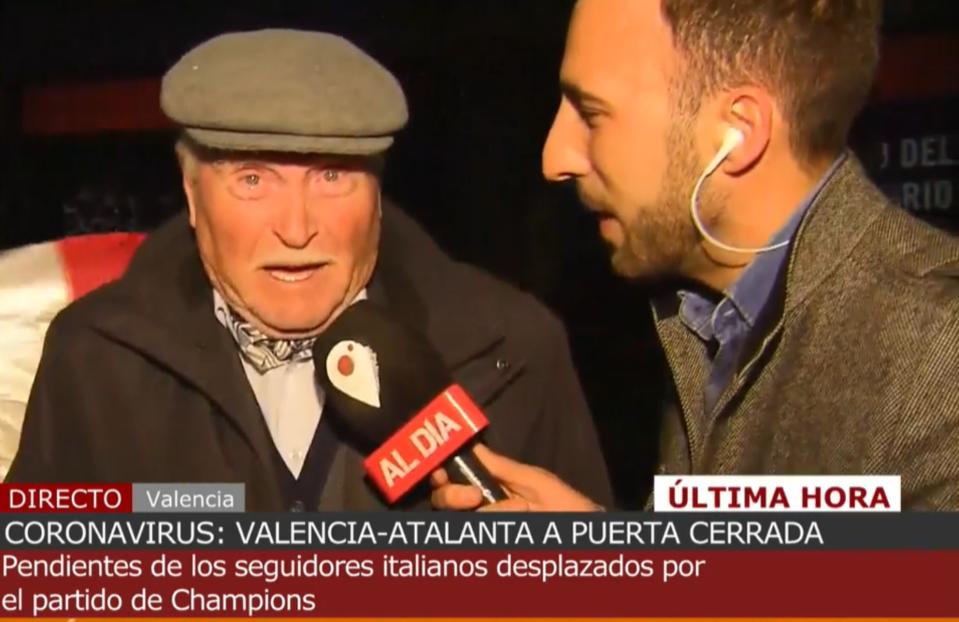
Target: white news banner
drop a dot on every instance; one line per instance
(777, 493)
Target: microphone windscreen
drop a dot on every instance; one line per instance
(377, 371)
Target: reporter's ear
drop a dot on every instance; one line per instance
(750, 111)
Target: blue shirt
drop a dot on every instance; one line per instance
(723, 327)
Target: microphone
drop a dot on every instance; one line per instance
(395, 401)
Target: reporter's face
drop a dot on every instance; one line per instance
(619, 135)
(288, 241)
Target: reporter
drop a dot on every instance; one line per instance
(810, 326)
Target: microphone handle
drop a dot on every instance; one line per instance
(464, 467)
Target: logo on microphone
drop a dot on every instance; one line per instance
(425, 442)
(351, 368)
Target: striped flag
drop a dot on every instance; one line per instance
(36, 282)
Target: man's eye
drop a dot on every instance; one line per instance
(589, 117)
(331, 175)
(247, 185)
(335, 182)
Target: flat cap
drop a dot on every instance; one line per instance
(284, 90)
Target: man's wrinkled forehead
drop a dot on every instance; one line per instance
(221, 159)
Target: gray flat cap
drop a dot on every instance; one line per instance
(284, 90)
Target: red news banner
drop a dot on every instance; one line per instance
(94, 498)
(217, 562)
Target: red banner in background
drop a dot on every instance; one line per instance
(117, 105)
(912, 67)
(917, 67)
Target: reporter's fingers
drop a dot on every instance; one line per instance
(501, 467)
(516, 504)
(456, 497)
(439, 477)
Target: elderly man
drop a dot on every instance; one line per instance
(196, 365)
(814, 327)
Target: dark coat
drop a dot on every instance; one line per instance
(852, 369)
(139, 382)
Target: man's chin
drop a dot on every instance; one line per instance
(637, 269)
(294, 327)
(628, 269)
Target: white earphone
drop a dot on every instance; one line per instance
(731, 140)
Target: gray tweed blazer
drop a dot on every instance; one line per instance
(853, 367)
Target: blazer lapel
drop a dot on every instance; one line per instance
(689, 363)
(831, 229)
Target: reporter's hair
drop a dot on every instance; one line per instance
(818, 57)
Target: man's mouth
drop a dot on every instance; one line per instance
(601, 215)
(594, 207)
(293, 273)
(606, 221)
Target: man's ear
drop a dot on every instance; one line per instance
(189, 190)
(749, 110)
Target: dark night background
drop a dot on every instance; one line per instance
(481, 80)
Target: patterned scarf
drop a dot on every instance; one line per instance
(265, 353)
(261, 351)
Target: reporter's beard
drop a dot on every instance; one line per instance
(661, 238)
(654, 246)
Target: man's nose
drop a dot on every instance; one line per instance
(564, 154)
(295, 224)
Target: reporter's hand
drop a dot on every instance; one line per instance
(529, 488)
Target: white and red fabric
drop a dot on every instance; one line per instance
(36, 282)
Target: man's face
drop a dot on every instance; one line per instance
(288, 241)
(620, 134)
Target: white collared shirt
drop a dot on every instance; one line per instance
(289, 398)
